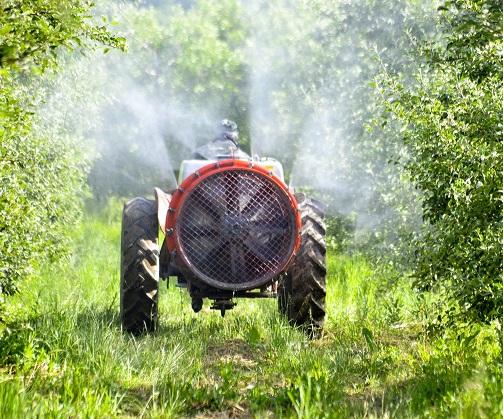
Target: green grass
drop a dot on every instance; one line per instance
(62, 353)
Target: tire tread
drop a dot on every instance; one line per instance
(139, 284)
(302, 290)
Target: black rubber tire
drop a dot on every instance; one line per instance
(302, 290)
(139, 282)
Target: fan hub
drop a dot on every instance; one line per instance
(234, 226)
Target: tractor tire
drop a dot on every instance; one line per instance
(302, 290)
(139, 282)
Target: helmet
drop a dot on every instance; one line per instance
(228, 130)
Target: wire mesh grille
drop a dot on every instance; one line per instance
(236, 227)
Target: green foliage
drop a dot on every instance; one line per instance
(32, 31)
(452, 125)
(184, 72)
(340, 231)
(211, 68)
(41, 176)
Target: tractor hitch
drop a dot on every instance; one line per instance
(223, 305)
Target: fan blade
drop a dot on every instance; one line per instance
(255, 200)
(210, 203)
(268, 228)
(238, 263)
(201, 244)
(232, 192)
(255, 246)
(212, 253)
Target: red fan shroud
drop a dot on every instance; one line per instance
(234, 225)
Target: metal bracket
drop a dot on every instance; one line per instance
(162, 199)
(223, 305)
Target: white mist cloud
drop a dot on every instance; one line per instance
(311, 65)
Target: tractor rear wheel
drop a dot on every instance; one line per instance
(139, 282)
(302, 291)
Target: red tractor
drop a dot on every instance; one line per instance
(232, 229)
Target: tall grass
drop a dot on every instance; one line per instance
(62, 352)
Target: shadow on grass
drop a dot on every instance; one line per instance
(39, 331)
(436, 380)
(432, 385)
(98, 317)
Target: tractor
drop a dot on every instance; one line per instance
(232, 229)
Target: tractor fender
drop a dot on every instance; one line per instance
(162, 200)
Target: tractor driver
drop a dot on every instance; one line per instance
(225, 145)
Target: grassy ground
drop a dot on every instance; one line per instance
(62, 352)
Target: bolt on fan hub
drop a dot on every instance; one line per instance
(235, 226)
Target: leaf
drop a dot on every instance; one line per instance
(369, 338)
